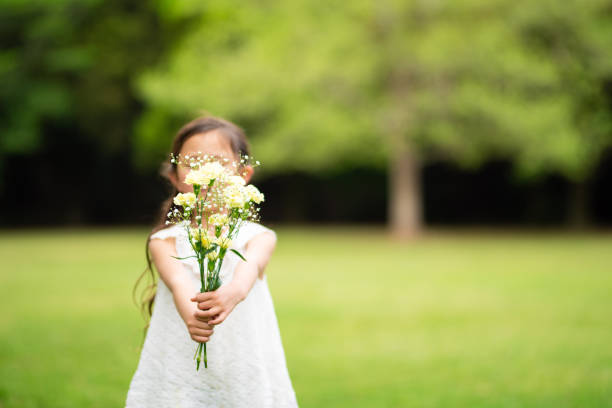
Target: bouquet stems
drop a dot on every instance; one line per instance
(199, 351)
(209, 278)
(201, 346)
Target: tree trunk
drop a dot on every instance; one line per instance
(405, 214)
(578, 208)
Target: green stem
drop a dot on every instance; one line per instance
(205, 357)
(202, 272)
(197, 356)
(201, 349)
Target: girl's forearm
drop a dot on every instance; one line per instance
(182, 291)
(258, 253)
(244, 278)
(173, 275)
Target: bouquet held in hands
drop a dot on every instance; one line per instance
(212, 215)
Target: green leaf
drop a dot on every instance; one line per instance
(212, 248)
(239, 254)
(186, 257)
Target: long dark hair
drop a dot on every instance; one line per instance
(240, 146)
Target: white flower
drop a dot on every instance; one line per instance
(237, 180)
(185, 199)
(235, 196)
(254, 194)
(217, 219)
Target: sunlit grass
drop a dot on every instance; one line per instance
(474, 320)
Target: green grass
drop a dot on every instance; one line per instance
(453, 320)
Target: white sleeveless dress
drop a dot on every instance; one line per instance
(246, 360)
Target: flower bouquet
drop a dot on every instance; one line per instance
(213, 214)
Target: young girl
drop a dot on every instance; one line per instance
(246, 361)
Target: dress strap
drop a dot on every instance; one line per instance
(249, 230)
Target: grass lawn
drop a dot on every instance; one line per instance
(454, 320)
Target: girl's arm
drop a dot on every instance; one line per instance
(180, 285)
(215, 306)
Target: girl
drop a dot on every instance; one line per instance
(246, 361)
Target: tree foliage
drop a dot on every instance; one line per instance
(324, 85)
(68, 65)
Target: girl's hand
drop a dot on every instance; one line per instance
(198, 330)
(215, 306)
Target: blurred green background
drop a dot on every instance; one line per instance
(457, 319)
(438, 173)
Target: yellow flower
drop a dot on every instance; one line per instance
(209, 171)
(196, 177)
(197, 237)
(212, 255)
(254, 194)
(195, 234)
(185, 199)
(213, 170)
(217, 219)
(223, 242)
(235, 196)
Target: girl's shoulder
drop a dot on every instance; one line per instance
(248, 231)
(171, 231)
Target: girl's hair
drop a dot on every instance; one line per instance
(240, 147)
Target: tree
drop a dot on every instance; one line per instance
(67, 105)
(393, 83)
(72, 61)
(576, 36)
